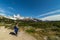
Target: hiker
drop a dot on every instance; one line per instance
(16, 29)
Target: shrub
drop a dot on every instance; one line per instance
(30, 30)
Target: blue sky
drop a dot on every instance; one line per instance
(29, 8)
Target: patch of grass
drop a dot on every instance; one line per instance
(30, 30)
(9, 26)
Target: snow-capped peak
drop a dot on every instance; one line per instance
(15, 17)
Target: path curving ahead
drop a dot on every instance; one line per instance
(4, 35)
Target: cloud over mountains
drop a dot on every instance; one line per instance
(52, 18)
(52, 12)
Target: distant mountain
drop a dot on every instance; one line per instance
(15, 17)
(18, 17)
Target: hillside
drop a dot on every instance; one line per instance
(41, 30)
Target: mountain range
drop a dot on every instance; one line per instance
(18, 17)
(48, 18)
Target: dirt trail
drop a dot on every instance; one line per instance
(4, 35)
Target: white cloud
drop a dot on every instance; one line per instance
(11, 8)
(2, 11)
(53, 12)
(52, 18)
(2, 14)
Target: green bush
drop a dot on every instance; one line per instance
(30, 30)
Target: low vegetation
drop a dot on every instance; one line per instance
(41, 30)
